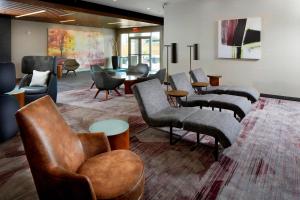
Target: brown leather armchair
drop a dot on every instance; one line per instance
(65, 165)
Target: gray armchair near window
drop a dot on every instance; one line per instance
(140, 69)
(160, 75)
(105, 82)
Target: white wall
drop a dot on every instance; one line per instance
(278, 72)
(30, 38)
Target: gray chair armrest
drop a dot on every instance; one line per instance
(25, 81)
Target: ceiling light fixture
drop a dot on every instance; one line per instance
(69, 20)
(114, 0)
(148, 8)
(67, 14)
(115, 23)
(32, 13)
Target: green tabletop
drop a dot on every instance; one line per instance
(110, 127)
(16, 90)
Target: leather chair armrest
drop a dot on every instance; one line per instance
(94, 143)
(67, 185)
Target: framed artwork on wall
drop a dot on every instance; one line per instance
(240, 38)
(84, 46)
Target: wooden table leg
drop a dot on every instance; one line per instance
(59, 71)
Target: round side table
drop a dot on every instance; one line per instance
(177, 94)
(214, 80)
(117, 132)
(19, 94)
(200, 85)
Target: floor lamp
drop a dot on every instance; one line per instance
(196, 57)
(173, 47)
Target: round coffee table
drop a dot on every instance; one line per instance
(117, 132)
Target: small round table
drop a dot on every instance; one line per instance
(177, 94)
(214, 80)
(200, 85)
(19, 94)
(117, 132)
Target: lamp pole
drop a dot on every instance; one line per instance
(167, 83)
(190, 47)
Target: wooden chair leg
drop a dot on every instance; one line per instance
(92, 85)
(75, 72)
(96, 94)
(117, 92)
(67, 72)
(106, 94)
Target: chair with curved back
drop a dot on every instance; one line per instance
(140, 69)
(40, 63)
(198, 75)
(71, 65)
(104, 81)
(66, 165)
(160, 75)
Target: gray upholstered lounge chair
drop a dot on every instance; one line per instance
(252, 94)
(71, 65)
(140, 70)
(239, 105)
(157, 112)
(104, 81)
(160, 75)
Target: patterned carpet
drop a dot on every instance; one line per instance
(262, 164)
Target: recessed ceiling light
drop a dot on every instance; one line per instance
(69, 20)
(148, 8)
(114, 0)
(32, 13)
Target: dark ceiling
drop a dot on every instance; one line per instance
(58, 12)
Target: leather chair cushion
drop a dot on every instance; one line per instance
(114, 174)
(35, 89)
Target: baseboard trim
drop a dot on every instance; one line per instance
(280, 97)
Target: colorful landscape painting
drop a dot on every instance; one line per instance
(86, 47)
(239, 38)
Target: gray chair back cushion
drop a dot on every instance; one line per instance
(71, 64)
(40, 63)
(160, 75)
(198, 75)
(180, 82)
(141, 68)
(95, 68)
(151, 97)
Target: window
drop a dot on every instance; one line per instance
(140, 48)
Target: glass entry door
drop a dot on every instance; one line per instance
(139, 50)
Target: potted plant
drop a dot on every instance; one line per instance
(115, 60)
